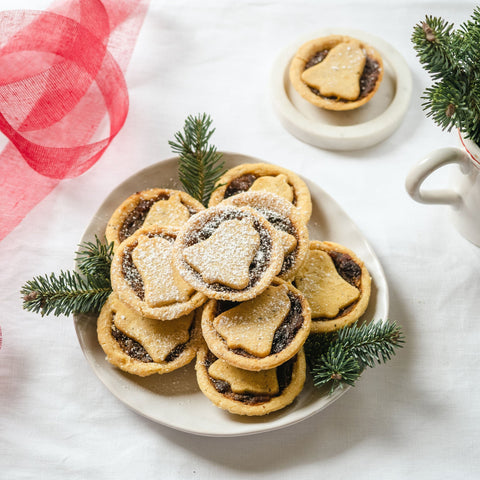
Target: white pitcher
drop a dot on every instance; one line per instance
(464, 195)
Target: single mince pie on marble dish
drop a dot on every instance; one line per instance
(244, 392)
(143, 275)
(155, 206)
(336, 284)
(287, 221)
(261, 333)
(144, 346)
(228, 253)
(265, 177)
(336, 72)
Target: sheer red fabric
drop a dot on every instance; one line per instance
(61, 82)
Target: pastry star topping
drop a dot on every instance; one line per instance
(225, 256)
(326, 291)
(244, 381)
(171, 212)
(251, 325)
(162, 284)
(338, 75)
(278, 185)
(157, 338)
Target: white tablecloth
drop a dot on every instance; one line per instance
(418, 416)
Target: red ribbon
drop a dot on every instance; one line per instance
(61, 75)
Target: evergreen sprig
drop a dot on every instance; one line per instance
(66, 293)
(452, 58)
(199, 166)
(336, 366)
(339, 358)
(95, 258)
(70, 292)
(432, 41)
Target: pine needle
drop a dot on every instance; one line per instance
(199, 166)
(372, 343)
(451, 57)
(95, 258)
(71, 291)
(341, 357)
(336, 367)
(65, 293)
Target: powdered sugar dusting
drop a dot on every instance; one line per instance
(234, 243)
(203, 225)
(284, 217)
(162, 285)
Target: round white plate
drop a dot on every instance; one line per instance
(174, 399)
(347, 130)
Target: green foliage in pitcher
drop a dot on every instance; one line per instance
(452, 58)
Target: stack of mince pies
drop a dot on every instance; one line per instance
(238, 285)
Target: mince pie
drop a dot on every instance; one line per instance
(336, 284)
(288, 222)
(143, 346)
(143, 275)
(265, 177)
(156, 206)
(336, 72)
(244, 392)
(228, 253)
(260, 333)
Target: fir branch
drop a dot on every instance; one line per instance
(446, 103)
(337, 367)
(452, 58)
(199, 166)
(67, 293)
(71, 291)
(432, 41)
(341, 357)
(371, 343)
(95, 258)
(469, 33)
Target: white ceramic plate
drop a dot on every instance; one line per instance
(174, 399)
(347, 130)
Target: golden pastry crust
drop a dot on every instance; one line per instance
(252, 172)
(286, 337)
(286, 219)
(311, 48)
(352, 273)
(131, 214)
(263, 406)
(228, 253)
(143, 276)
(143, 365)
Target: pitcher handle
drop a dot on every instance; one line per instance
(433, 161)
